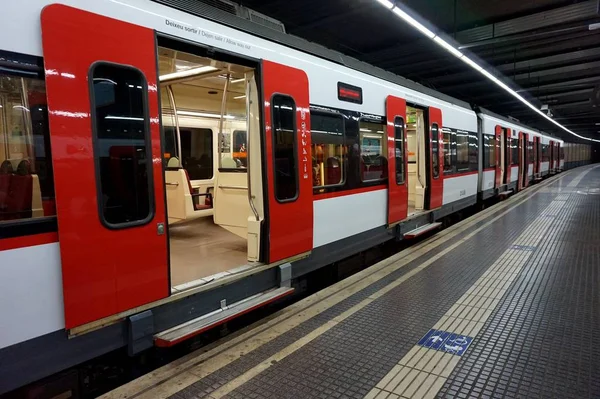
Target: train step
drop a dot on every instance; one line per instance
(422, 230)
(196, 326)
(505, 193)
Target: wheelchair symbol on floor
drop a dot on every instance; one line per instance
(460, 341)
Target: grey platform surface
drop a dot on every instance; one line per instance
(541, 339)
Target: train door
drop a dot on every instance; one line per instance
(397, 185)
(101, 81)
(537, 149)
(436, 159)
(552, 156)
(523, 165)
(499, 157)
(288, 160)
(506, 161)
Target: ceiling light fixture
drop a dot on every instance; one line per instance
(454, 51)
(187, 73)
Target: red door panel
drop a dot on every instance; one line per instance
(290, 222)
(507, 155)
(498, 133)
(105, 270)
(521, 162)
(436, 191)
(397, 193)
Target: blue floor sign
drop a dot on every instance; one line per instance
(446, 341)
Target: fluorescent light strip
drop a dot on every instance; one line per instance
(239, 97)
(454, 51)
(188, 72)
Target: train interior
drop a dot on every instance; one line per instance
(24, 191)
(417, 165)
(205, 117)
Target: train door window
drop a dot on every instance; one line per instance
(435, 131)
(122, 145)
(530, 151)
(399, 149)
(373, 151)
(514, 149)
(545, 155)
(26, 181)
(462, 151)
(284, 151)
(449, 151)
(328, 149)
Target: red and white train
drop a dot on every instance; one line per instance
(162, 173)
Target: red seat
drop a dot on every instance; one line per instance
(18, 202)
(197, 206)
(6, 171)
(333, 171)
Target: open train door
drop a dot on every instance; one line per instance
(101, 84)
(552, 156)
(435, 160)
(397, 161)
(499, 160)
(521, 150)
(288, 159)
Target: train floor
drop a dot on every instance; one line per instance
(503, 304)
(201, 248)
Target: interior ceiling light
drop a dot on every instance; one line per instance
(458, 54)
(187, 73)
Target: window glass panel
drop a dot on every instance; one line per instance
(449, 151)
(514, 148)
(373, 151)
(399, 149)
(435, 140)
(489, 151)
(284, 148)
(197, 153)
(327, 152)
(530, 152)
(122, 144)
(26, 181)
(462, 151)
(473, 152)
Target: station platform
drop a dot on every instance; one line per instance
(503, 304)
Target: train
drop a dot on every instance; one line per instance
(163, 172)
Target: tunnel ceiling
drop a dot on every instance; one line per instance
(546, 47)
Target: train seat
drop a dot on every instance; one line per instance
(6, 172)
(333, 171)
(19, 200)
(183, 202)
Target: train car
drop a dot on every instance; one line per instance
(164, 173)
(513, 155)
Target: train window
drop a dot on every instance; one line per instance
(530, 151)
(328, 149)
(284, 148)
(473, 152)
(373, 151)
(121, 145)
(489, 154)
(462, 151)
(562, 152)
(545, 153)
(514, 151)
(26, 183)
(435, 148)
(399, 149)
(197, 153)
(449, 151)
